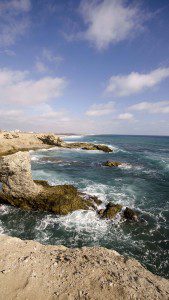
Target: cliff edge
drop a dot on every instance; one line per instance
(29, 270)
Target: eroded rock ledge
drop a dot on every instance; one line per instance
(29, 270)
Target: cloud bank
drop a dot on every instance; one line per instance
(17, 88)
(161, 107)
(135, 82)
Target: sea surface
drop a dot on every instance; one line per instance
(142, 183)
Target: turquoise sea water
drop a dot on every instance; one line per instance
(142, 182)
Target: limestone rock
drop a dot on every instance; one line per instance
(16, 177)
(30, 270)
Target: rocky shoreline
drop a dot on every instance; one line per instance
(11, 142)
(62, 273)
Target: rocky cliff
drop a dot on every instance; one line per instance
(29, 270)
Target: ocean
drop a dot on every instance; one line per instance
(141, 182)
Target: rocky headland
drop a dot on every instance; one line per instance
(29, 270)
(11, 142)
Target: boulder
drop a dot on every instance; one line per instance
(110, 211)
(130, 214)
(112, 163)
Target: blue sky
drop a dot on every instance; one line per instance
(98, 66)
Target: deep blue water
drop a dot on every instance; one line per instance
(142, 182)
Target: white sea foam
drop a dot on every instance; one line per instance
(1, 228)
(116, 148)
(66, 137)
(78, 221)
(4, 209)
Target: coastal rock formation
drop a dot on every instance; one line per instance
(112, 163)
(19, 189)
(113, 209)
(15, 174)
(130, 214)
(35, 271)
(110, 211)
(87, 146)
(50, 139)
(11, 142)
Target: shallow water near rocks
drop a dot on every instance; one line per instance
(141, 182)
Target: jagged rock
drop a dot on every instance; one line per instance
(19, 189)
(110, 211)
(50, 139)
(130, 214)
(87, 146)
(112, 163)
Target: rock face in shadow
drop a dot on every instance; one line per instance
(20, 190)
(110, 211)
(50, 139)
(130, 214)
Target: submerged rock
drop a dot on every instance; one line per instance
(112, 163)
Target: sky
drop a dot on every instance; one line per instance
(85, 66)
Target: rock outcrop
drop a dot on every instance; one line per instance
(110, 163)
(29, 270)
(19, 189)
(11, 142)
(87, 146)
(15, 174)
(110, 211)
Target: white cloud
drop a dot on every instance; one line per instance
(151, 107)
(125, 117)
(16, 87)
(109, 21)
(97, 110)
(135, 82)
(13, 20)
